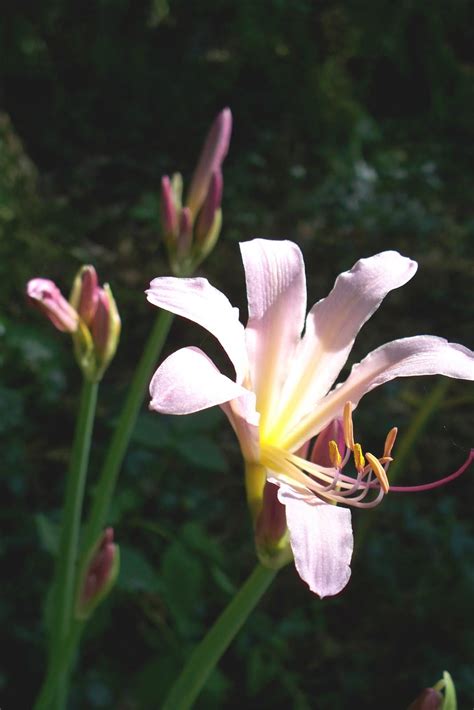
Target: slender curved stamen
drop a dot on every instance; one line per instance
(436, 484)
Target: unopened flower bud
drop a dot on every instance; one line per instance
(209, 209)
(429, 699)
(442, 696)
(211, 158)
(85, 293)
(46, 297)
(98, 574)
(169, 214)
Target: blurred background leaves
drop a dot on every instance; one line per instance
(353, 134)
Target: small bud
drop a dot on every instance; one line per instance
(46, 297)
(169, 215)
(105, 329)
(85, 293)
(271, 533)
(211, 158)
(98, 574)
(211, 205)
(429, 699)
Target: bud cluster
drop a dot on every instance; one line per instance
(90, 316)
(190, 230)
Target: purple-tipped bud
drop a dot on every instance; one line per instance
(100, 326)
(169, 216)
(332, 432)
(88, 295)
(211, 204)
(99, 574)
(185, 236)
(429, 699)
(271, 521)
(46, 296)
(211, 158)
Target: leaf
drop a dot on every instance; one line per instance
(136, 573)
(202, 452)
(182, 577)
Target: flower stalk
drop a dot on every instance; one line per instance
(207, 653)
(66, 564)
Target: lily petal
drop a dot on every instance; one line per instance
(200, 302)
(188, 381)
(331, 328)
(276, 292)
(407, 357)
(321, 539)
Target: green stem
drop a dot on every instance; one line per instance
(206, 654)
(121, 438)
(64, 582)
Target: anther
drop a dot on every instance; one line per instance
(389, 442)
(347, 425)
(379, 471)
(358, 457)
(334, 454)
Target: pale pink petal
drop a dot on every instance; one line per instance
(276, 292)
(188, 381)
(244, 418)
(407, 357)
(332, 325)
(321, 539)
(200, 302)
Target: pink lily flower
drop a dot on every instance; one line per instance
(283, 395)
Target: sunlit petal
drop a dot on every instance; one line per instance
(200, 302)
(276, 292)
(321, 540)
(331, 327)
(188, 381)
(407, 357)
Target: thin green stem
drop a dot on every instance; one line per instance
(123, 432)
(66, 564)
(207, 653)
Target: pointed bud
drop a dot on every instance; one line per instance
(96, 339)
(98, 574)
(105, 328)
(429, 699)
(85, 293)
(271, 521)
(46, 297)
(271, 533)
(212, 156)
(211, 204)
(169, 215)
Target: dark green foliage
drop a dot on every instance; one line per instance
(353, 134)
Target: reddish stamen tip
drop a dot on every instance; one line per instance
(436, 484)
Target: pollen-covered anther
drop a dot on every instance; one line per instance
(389, 443)
(347, 426)
(379, 471)
(335, 455)
(358, 457)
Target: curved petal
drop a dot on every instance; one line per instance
(200, 302)
(276, 292)
(188, 381)
(321, 539)
(332, 325)
(407, 357)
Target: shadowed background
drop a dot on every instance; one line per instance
(353, 133)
